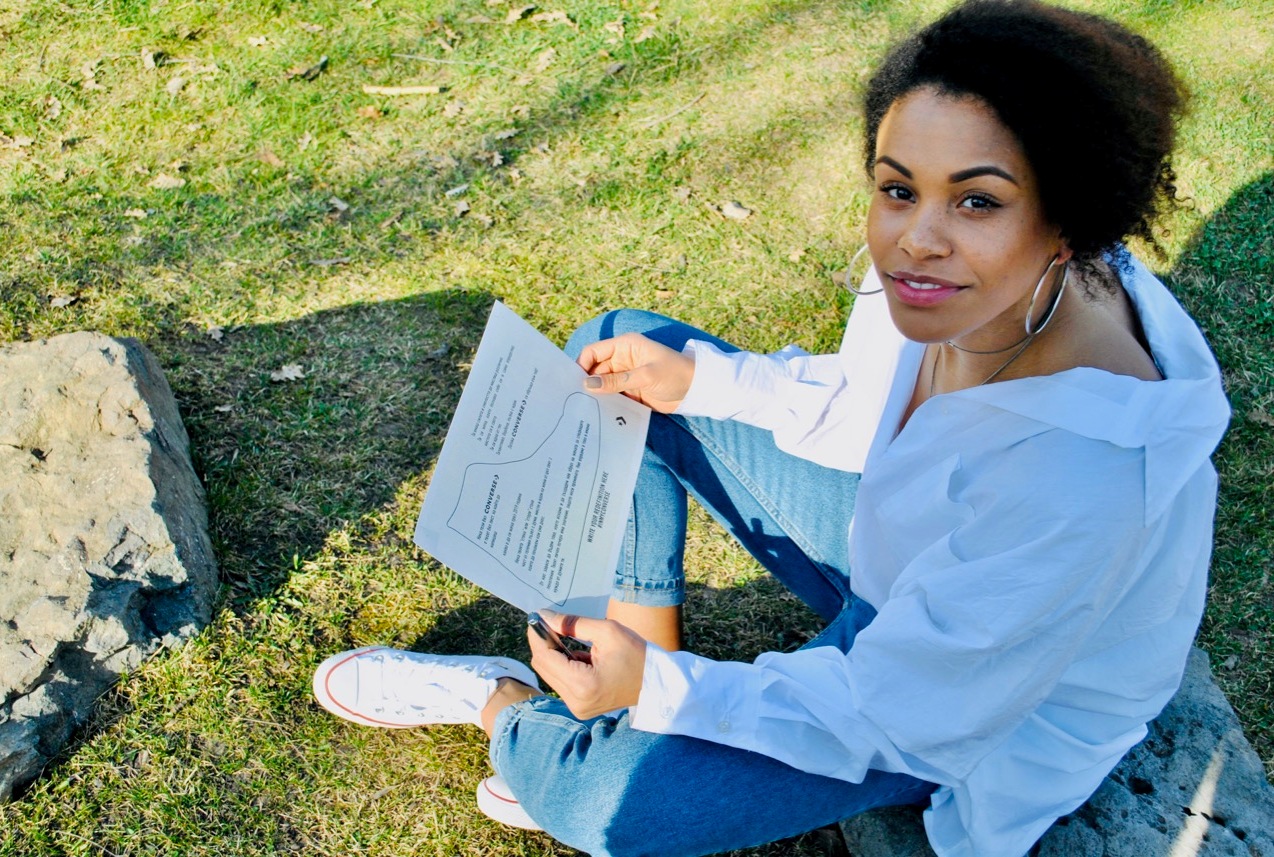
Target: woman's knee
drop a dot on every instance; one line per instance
(616, 322)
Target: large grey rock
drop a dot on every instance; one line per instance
(104, 551)
(1194, 786)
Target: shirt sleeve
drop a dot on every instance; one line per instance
(976, 632)
(772, 391)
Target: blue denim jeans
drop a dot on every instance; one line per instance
(608, 789)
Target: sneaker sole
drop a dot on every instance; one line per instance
(505, 810)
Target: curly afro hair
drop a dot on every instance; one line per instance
(1093, 105)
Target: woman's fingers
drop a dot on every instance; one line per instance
(640, 368)
(609, 678)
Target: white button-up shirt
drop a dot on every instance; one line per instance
(1037, 552)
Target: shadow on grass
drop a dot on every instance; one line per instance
(1223, 278)
(289, 462)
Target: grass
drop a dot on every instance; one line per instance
(313, 226)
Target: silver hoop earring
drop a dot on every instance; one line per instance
(849, 274)
(1057, 298)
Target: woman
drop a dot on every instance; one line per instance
(1012, 585)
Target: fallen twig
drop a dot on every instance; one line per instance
(403, 90)
(682, 109)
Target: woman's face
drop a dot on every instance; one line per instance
(956, 228)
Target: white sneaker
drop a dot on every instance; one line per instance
(498, 803)
(379, 686)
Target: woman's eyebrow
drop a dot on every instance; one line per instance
(885, 159)
(974, 172)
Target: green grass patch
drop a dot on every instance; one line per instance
(238, 215)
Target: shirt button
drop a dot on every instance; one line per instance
(723, 726)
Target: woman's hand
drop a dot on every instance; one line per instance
(640, 368)
(606, 677)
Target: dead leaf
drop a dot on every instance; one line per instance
(369, 111)
(52, 107)
(644, 35)
(179, 166)
(444, 44)
(453, 108)
(153, 59)
(392, 219)
(545, 59)
(289, 506)
(461, 208)
(268, 157)
(311, 28)
(520, 110)
(338, 206)
(19, 142)
(1257, 415)
(307, 72)
(59, 175)
(515, 175)
(615, 27)
(175, 85)
(288, 372)
(615, 68)
(478, 19)
(258, 41)
(403, 90)
(735, 211)
(224, 409)
(216, 333)
(163, 181)
(554, 18)
(330, 263)
(681, 193)
(307, 140)
(457, 190)
(445, 162)
(486, 220)
(518, 14)
(139, 213)
(796, 255)
(493, 158)
(62, 301)
(507, 133)
(439, 352)
(664, 294)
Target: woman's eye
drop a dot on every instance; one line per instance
(897, 191)
(978, 202)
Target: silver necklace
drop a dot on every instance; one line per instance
(933, 369)
(951, 342)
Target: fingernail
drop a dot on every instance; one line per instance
(592, 382)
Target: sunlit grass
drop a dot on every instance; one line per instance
(314, 227)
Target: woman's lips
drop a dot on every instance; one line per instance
(921, 291)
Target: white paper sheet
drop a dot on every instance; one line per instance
(531, 494)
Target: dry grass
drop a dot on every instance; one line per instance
(314, 485)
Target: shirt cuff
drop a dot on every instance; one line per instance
(713, 382)
(687, 694)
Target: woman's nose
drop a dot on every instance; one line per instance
(924, 235)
